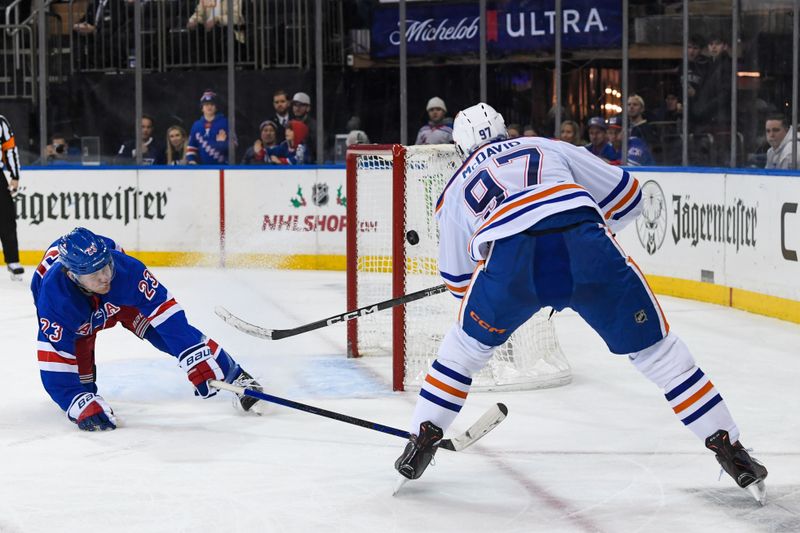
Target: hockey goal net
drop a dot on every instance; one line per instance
(391, 190)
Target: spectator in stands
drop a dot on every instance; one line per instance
(357, 137)
(570, 132)
(698, 66)
(637, 122)
(103, 32)
(152, 151)
(177, 142)
(293, 150)
(638, 151)
(212, 14)
(268, 138)
(283, 111)
(208, 138)
(514, 130)
(301, 108)
(282, 106)
(711, 108)
(779, 137)
(439, 129)
(58, 152)
(529, 131)
(598, 139)
(671, 111)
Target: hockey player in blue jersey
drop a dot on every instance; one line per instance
(530, 222)
(84, 284)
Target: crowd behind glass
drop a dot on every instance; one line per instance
(102, 32)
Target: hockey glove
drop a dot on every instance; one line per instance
(199, 364)
(91, 413)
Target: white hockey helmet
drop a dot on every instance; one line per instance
(476, 126)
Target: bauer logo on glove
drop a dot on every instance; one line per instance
(200, 366)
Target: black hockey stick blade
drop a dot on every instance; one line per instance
(490, 419)
(275, 334)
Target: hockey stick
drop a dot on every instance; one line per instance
(275, 334)
(487, 422)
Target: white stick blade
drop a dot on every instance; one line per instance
(245, 327)
(481, 427)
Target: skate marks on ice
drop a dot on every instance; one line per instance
(780, 514)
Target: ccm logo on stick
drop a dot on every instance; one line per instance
(353, 314)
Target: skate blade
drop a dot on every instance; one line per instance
(16, 277)
(759, 491)
(401, 480)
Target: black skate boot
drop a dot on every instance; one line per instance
(247, 381)
(419, 451)
(16, 271)
(734, 459)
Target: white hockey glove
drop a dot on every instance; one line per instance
(91, 413)
(199, 364)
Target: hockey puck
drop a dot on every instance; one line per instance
(412, 237)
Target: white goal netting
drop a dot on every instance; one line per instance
(532, 357)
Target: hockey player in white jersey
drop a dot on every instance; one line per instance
(530, 222)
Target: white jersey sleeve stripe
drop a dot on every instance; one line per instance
(47, 366)
(43, 346)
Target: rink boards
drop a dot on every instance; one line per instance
(731, 238)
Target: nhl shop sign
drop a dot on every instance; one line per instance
(512, 26)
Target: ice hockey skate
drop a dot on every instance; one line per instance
(248, 403)
(16, 271)
(734, 459)
(419, 451)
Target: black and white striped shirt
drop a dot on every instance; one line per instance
(8, 149)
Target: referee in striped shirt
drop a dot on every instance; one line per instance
(9, 163)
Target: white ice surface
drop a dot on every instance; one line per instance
(602, 454)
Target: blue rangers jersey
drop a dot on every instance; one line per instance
(506, 187)
(69, 316)
(203, 146)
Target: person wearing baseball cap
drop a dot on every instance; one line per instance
(301, 107)
(268, 138)
(638, 152)
(598, 139)
(439, 129)
(208, 138)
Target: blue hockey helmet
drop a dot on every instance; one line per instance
(82, 252)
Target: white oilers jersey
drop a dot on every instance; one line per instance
(506, 187)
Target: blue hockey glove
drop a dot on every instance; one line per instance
(91, 413)
(199, 364)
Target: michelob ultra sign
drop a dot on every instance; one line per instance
(512, 26)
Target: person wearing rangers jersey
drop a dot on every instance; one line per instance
(530, 222)
(9, 162)
(208, 138)
(85, 283)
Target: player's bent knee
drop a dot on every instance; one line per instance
(664, 361)
(462, 349)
